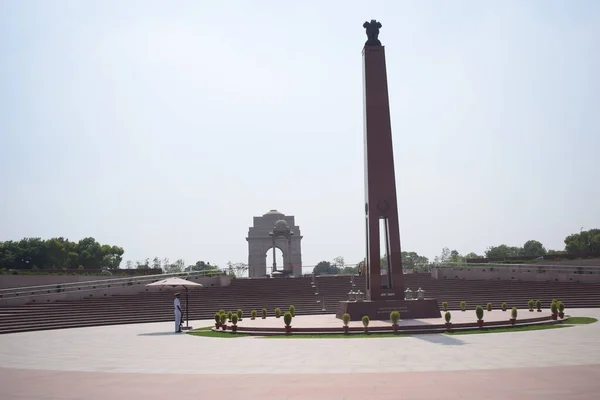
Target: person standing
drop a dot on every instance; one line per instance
(178, 313)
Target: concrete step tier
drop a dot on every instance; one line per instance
(249, 294)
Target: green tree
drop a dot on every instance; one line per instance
(237, 270)
(176, 267)
(58, 253)
(205, 267)
(503, 251)
(583, 242)
(325, 268)
(533, 248)
(411, 259)
(472, 255)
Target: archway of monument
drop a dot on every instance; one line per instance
(274, 229)
(279, 259)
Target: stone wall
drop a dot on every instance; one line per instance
(77, 292)
(528, 273)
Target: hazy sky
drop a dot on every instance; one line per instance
(165, 126)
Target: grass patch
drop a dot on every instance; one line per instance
(506, 329)
(207, 332)
(336, 336)
(580, 321)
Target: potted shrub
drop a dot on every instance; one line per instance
(513, 315)
(292, 310)
(217, 320)
(489, 306)
(447, 317)
(346, 319)
(264, 313)
(395, 317)
(229, 314)
(277, 312)
(222, 312)
(531, 304)
(253, 314)
(479, 314)
(224, 321)
(503, 305)
(365, 322)
(445, 305)
(234, 321)
(561, 309)
(287, 319)
(463, 306)
(538, 305)
(239, 313)
(554, 309)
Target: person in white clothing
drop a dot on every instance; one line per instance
(178, 313)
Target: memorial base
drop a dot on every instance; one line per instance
(381, 309)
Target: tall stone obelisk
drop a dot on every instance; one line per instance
(380, 182)
(385, 283)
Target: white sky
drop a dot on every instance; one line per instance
(165, 126)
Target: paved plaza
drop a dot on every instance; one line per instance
(147, 361)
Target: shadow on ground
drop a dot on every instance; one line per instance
(159, 334)
(444, 340)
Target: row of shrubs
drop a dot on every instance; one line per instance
(222, 317)
(531, 303)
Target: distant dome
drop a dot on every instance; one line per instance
(281, 224)
(273, 212)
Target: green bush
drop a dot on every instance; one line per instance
(229, 314)
(222, 312)
(538, 305)
(489, 306)
(240, 313)
(513, 313)
(445, 305)
(277, 312)
(292, 310)
(346, 319)
(234, 319)
(395, 317)
(253, 314)
(554, 308)
(463, 305)
(287, 318)
(264, 313)
(503, 306)
(561, 306)
(531, 304)
(217, 317)
(223, 318)
(479, 312)
(447, 317)
(365, 321)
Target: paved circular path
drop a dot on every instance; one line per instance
(147, 361)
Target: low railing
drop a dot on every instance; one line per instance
(542, 268)
(43, 290)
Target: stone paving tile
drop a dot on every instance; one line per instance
(152, 348)
(517, 384)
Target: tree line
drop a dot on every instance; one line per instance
(576, 243)
(59, 254)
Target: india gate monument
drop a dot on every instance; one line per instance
(274, 230)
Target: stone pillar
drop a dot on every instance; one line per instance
(380, 180)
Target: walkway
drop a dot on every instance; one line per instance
(147, 361)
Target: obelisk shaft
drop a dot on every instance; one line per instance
(380, 182)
